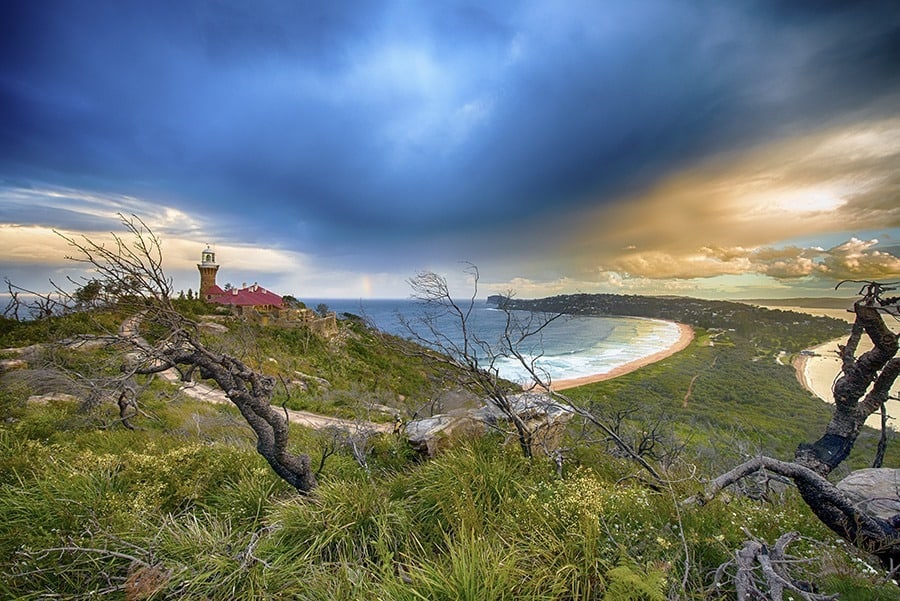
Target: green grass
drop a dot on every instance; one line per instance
(737, 407)
(479, 522)
(352, 369)
(188, 495)
(23, 333)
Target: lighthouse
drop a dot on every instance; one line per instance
(208, 269)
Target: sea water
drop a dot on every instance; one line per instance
(569, 347)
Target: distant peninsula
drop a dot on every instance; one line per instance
(498, 300)
(787, 329)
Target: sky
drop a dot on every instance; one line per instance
(335, 149)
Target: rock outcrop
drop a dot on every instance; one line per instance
(545, 418)
(875, 491)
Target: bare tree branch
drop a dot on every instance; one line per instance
(477, 359)
(132, 273)
(874, 371)
(862, 389)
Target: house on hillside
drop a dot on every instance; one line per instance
(242, 299)
(251, 297)
(255, 301)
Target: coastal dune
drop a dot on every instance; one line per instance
(686, 335)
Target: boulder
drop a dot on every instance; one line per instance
(212, 327)
(430, 435)
(87, 343)
(11, 364)
(303, 381)
(529, 405)
(875, 491)
(544, 417)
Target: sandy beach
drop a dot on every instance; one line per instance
(686, 334)
(817, 374)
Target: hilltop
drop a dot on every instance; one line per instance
(806, 302)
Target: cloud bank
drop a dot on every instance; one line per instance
(552, 142)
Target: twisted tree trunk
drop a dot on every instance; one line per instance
(877, 368)
(250, 392)
(861, 390)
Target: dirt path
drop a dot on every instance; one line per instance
(204, 392)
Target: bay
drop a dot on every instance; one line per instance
(570, 347)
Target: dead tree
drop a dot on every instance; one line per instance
(864, 384)
(250, 392)
(762, 571)
(861, 390)
(446, 326)
(133, 274)
(40, 305)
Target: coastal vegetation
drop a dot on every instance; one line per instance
(764, 329)
(178, 500)
(862, 389)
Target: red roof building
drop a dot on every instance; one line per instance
(251, 296)
(255, 296)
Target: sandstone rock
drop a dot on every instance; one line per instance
(304, 380)
(529, 405)
(212, 327)
(11, 364)
(23, 350)
(43, 399)
(545, 418)
(431, 435)
(86, 343)
(875, 491)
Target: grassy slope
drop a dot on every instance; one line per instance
(737, 406)
(189, 494)
(477, 523)
(352, 368)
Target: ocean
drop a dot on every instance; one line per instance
(571, 347)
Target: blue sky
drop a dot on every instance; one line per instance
(716, 149)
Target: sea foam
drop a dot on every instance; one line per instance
(570, 347)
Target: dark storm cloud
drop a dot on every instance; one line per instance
(327, 125)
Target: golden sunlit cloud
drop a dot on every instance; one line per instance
(45, 248)
(40, 245)
(857, 259)
(33, 245)
(729, 216)
(852, 259)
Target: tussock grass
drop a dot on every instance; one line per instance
(479, 522)
(187, 498)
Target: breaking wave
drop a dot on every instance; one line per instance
(571, 347)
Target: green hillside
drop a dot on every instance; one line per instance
(184, 508)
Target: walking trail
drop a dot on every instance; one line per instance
(204, 392)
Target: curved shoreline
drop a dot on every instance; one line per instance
(813, 372)
(685, 336)
(817, 374)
